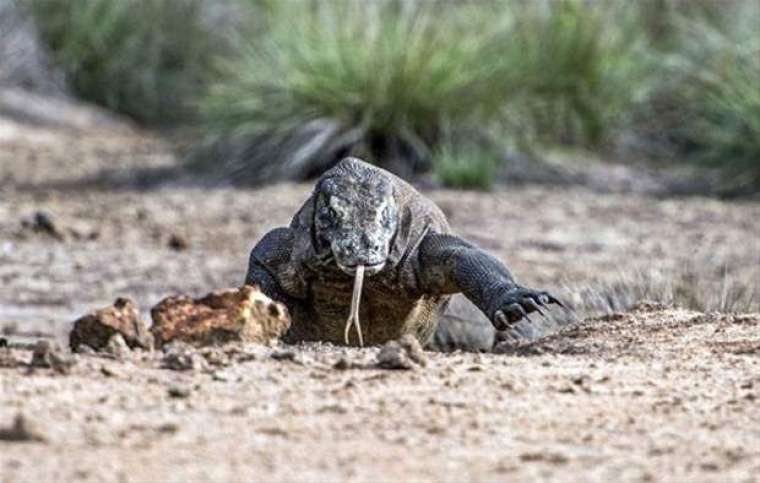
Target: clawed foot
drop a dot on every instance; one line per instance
(520, 302)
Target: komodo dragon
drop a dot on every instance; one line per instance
(360, 215)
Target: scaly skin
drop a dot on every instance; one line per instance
(362, 215)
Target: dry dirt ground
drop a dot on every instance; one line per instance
(661, 394)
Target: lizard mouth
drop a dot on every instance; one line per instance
(369, 268)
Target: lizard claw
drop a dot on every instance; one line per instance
(536, 305)
(556, 301)
(501, 321)
(521, 310)
(518, 303)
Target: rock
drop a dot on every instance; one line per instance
(403, 353)
(109, 371)
(168, 428)
(343, 364)
(97, 328)
(9, 359)
(284, 355)
(178, 243)
(219, 376)
(48, 355)
(413, 349)
(84, 349)
(178, 392)
(179, 356)
(21, 431)
(393, 356)
(216, 356)
(117, 347)
(245, 315)
(43, 222)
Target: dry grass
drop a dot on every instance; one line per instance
(701, 285)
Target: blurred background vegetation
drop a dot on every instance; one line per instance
(285, 88)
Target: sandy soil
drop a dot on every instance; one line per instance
(664, 395)
(651, 395)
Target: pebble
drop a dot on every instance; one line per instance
(22, 430)
(178, 243)
(179, 356)
(47, 354)
(404, 353)
(178, 392)
(117, 347)
(284, 355)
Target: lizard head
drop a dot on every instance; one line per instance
(355, 217)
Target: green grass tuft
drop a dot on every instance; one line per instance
(409, 84)
(706, 107)
(465, 166)
(722, 89)
(389, 80)
(148, 59)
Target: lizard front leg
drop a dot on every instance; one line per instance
(267, 267)
(447, 264)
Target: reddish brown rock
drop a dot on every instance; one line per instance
(123, 318)
(244, 314)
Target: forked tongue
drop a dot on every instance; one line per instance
(353, 317)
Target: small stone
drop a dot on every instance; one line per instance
(343, 364)
(84, 349)
(233, 315)
(178, 392)
(9, 360)
(97, 328)
(117, 347)
(44, 223)
(179, 356)
(393, 356)
(403, 353)
(109, 371)
(168, 428)
(3, 342)
(547, 456)
(219, 376)
(47, 354)
(22, 430)
(283, 355)
(413, 349)
(178, 242)
(566, 389)
(216, 356)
